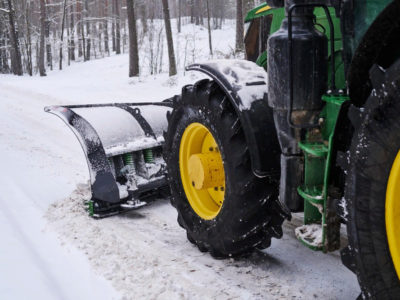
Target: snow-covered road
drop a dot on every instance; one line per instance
(50, 249)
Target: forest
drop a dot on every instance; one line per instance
(41, 35)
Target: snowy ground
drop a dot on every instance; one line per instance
(50, 249)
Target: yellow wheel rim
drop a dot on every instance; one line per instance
(202, 171)
(393, 213)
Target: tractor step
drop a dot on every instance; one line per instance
(311, 235)
(322, 229)
(314, 196)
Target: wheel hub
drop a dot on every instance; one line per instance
(392, 213)
(206, 170)
(202, 171)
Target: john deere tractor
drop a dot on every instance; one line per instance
(310, 122)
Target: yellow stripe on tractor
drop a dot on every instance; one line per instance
(265, 8)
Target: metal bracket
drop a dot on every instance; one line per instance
(135, 112)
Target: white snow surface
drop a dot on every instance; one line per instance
(50, 248)
(311, 233)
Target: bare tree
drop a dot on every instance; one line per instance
(42, 69)
(239, 25)
(28, 38)
(117, 27)
(49, 55)
(88, 39)
(16, 63)
(113, 24)
(209, 27)
(180, 16)
(171, 54)
(63, 25)
(248, 5)
(72, 36)
(144, 17)
(80, 29)
(62, 34)
(192, 18)
(133, 42)
(4, 67)
(105, 27)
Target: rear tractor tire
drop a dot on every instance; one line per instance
(372, 189)
(223, 207)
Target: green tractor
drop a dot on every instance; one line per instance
(308, 123)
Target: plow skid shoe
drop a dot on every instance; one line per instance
(122, 143)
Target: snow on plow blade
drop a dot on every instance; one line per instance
(122, 143)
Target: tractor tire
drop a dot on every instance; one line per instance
(374, 147)
(250, 214)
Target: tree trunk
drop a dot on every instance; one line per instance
(197, 10)
(81, 42)
(68, 44)
(124, 35)
(239, 25)
(106, 38)
(133, 42)
(209, 27)
(4, 67)
(171, 54)
(113, 24)
(88, 39)
(47, 38)
(179, 16)
(28, 10)
(248, 5)
(72, 40)
(143, 13)
(222, 14)
(16, 63)
(99, 30)
(117, 27)
(192, 11)
(42, 69)
(62, 33)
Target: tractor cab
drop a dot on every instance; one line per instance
(259, 23)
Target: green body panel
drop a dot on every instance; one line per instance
(262, 59)
(317, 145)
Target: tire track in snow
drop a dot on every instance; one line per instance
(145, 255)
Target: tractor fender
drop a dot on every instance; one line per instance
(245, 85)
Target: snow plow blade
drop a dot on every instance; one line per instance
(122, 143)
